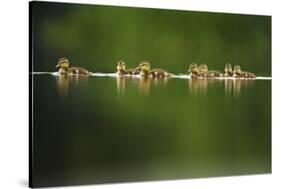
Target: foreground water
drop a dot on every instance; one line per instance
(115, 129)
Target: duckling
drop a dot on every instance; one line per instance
(237, 72)
(228, 70)
(211, 73)
(194, 71)
(248, 74)
(121, 69)
(203, 69)
(63, 64)
(241, 74)
(145, 71)
(133, 71)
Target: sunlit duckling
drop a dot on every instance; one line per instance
(211, 73)
(63, 64)
(145, 71)
(228, 70)
(203, 70)
(241, 74)
(248, 74)
(121, 69)
(133, 71)
(194, 71)
(237, 72)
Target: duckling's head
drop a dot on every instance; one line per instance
(203, 68)
(228, 68)
(144, 66)
(193, 68)
(237, 69)
(121, 66)
(63, 63)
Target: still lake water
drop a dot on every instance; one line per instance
(105, 129)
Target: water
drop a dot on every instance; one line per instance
(120, 129)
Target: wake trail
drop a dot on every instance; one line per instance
(180, 76)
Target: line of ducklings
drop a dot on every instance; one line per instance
(202, 71)
(144, 70)
(195, 71)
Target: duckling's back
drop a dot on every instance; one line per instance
(248, 75)
(78, 70)
(214, 73)
(159, 73)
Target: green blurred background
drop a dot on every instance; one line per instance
(95, 37)
(103, 129)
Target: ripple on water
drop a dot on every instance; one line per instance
(181, 76)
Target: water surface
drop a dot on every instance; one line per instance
(107, 129)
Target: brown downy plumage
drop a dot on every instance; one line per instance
(204, 69)
(145, 71)
(242, 74)
(194, 71)
(63, 64)
(121, 69)
(228, 70)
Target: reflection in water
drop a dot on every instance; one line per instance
(63, 82)
(142, 83)
(144, 86)
(236, 86)
(228, 87)
(198, 85)
(121, 84)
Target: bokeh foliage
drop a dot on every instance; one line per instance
(95, 37)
